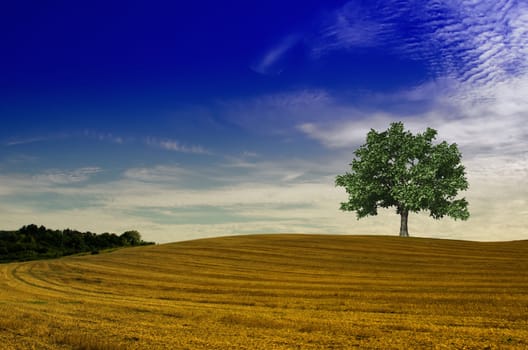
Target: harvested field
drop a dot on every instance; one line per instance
(273, 292)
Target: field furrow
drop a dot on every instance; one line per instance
(273, 292)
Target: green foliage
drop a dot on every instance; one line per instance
(131, 238)
(33, 242)
(395, 168)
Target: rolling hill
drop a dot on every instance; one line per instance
(273, 292)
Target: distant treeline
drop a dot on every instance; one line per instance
(37, 242)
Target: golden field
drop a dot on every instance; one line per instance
(273, 292)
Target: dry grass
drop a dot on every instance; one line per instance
(273, 292)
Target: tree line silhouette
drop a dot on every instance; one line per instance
(33, 242)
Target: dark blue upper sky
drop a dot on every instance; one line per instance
(191, 48)
(76, 62)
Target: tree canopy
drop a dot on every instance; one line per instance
(395, 168)
(32, 242)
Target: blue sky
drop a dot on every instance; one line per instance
(216, 118)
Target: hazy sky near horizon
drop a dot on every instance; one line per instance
(218, 118)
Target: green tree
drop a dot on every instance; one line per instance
(131, 238)
(395, 168)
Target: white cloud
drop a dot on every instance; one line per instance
(276, 113)
(249, 154)
(476, 42)
(104, 136)
(175, 146)
(281, 170)
(160, 173)
(344, 133)
(272, 196)
(90, 134)
(273, 207)
(495, 124)
(60, 177)
(270, 62)
(24, 141)
(351, 26)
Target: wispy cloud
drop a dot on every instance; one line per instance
(476, 42)
(270, 62)
(339, 134)
(352, 26)
(86, 134)
(108, 137)
(104, 136)
(24, 141)
(278, 201)
(175, 146)
(278, 112)
(280, 171)
(61, 177)
(158, 174)
(496, 125)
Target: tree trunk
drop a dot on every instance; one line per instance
(403, 225)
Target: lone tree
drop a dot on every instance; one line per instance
(395, 168)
